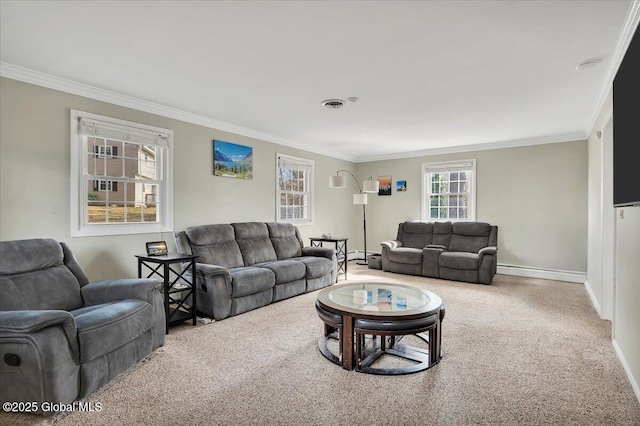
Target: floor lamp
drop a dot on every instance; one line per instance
(368, 186)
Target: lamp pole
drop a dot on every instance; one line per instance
(364, 215)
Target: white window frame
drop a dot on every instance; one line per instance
(426, 189)
(79, 188)
(309, 184)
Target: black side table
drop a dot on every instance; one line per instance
(341, 250)
(175, 309)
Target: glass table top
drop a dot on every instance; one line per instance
(379, 298)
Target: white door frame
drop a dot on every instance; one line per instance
(608, 221)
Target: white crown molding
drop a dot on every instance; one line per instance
(57, 83)
(568, 137)
(624, 39)
(52, 82)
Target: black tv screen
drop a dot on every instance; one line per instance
(626, 128)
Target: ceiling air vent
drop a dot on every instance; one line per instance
(333, 103)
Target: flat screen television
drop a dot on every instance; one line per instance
(626, 128)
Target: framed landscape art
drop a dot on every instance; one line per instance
(232, 160)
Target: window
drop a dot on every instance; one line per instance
(105, 185)
(294, 195)
(448, 191)
(106, 151)
(120, 177)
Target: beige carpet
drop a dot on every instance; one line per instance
(518, 352)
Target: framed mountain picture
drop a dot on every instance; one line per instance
(232, 160)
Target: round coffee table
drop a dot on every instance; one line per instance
(386, 312)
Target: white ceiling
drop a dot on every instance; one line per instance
(429, 75)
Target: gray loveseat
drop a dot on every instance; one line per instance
(459, 251)
(244, 266)
(62, 337)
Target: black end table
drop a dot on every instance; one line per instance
(341, 250)
(175, 309)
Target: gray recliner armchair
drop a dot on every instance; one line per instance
(62, 337)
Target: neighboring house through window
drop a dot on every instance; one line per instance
(294, 194)
(120, 178)
(448, 191)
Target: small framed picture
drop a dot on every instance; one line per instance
(401, 185)
(385, 185)
(156, 248)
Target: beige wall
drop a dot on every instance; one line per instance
(35, 179)
(537, 195)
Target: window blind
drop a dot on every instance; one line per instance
(441, 168)
(96, 128)
(290, 163)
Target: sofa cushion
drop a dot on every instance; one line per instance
(51, 288)
(286, 241)
(33, 276)
(215, 245)
(316, 266)
(248, 280)
(416, 234)
(458, 260)
(406, 255)
(442, 233)
(286, 271)
(253, 240)
(106, 327)
(469, 236)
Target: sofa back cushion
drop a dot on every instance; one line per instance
(286, 240)
(215, 244)
(442, 233)
(415, 234)
(33, 276)
(254, 242)
(469, 236)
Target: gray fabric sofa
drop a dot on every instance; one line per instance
(244, 266)
(459, 251)
(62, 337)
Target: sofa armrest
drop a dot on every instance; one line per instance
(430, 260)
(213, 283)
(146, 289)
(31, 321)
(114, 290)
(391, 244)
(487, 262)
(27, 321)
(212, 270)
(487, 250)
(214, 273)
(327, 252)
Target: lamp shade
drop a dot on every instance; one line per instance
(359, 198)
(337, 181)
(370, 186)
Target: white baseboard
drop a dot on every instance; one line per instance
(519, 271)
(592, 296)
(632, 380)
(545, 274)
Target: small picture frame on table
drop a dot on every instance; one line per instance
(156, 248)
